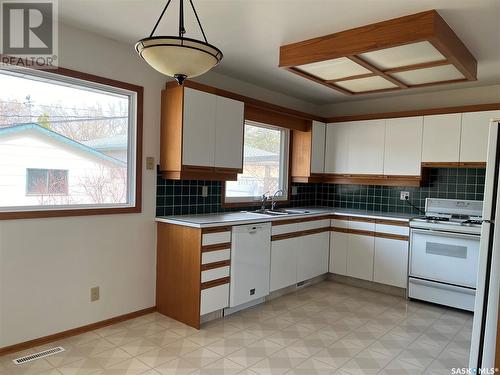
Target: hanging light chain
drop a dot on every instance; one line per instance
(198, 19)
(159, 19)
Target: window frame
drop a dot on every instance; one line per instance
(285, 168)
(134, 158)
(47, 171)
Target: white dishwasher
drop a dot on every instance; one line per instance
(250, 262)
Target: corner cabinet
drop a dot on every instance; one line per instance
(201, 135)
(308, 153)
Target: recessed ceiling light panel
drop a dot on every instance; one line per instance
(366, 84)
(334, 69)
(441, 73)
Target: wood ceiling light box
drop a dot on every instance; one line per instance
(411, 51)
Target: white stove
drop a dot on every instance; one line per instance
(444, 251)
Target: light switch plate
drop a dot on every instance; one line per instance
(204, 191)
(150, 163)
(404, 195)
(294, 190)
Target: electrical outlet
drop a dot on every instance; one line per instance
(404, 195)
(204, 191)
(150, 163)
(294, 190)
(94, 294)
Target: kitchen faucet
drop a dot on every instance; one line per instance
(273, 199)
(263, 201)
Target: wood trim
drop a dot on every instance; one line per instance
(418, 112)
(274, 118)
(74, 331)
(139, 90)
(301, 233)
(302, 74)
(392, 236)
(218, 246)
(247, 100)
(366, 75)
(202, 173)
(213, 265)
(361, 232)
(392, 222)
(216, 282)
(178, 273)
(362, 219)
(454, 165)
(406, 68)
(358, 60)
(172, 113)
(339, 229)
(299, 220)
(216, 229)
(383, 180)
(340, 217)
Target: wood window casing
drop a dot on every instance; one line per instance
(63, 212)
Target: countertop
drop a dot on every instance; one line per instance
(246, 217)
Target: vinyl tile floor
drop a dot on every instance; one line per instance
(327, 328)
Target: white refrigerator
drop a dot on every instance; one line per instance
(484, 328)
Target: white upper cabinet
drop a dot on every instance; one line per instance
(229, 123)
(318, 147)
(366, 147)
(441, 140)
(198, 131)
(337, 147)
(212, 132)
(403, 146)
(474, 140)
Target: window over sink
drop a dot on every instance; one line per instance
(265, 164)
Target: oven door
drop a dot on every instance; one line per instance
(444, 256)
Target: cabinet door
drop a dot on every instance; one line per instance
(337, 147)
(403, 146)
(390, 264)
(229, 122)
(366, 147)
(474, 139)
(360, 256)
(312, 255)
(283, 263)
(338, 252)
(198, 129)
(318, 147)
(441, 140)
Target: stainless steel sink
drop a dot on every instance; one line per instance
(280, 212)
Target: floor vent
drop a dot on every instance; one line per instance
(35, 356)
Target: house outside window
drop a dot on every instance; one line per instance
(46, 182)
(265, 164)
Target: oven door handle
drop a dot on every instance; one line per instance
(437, 284)
(432, 232)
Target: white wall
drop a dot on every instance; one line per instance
(446, 98)
(47, 266)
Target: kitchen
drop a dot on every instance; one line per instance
(295, 212)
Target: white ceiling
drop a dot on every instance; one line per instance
(250, 32)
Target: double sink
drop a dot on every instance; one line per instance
(280, 212)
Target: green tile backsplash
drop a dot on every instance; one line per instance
(184, 197)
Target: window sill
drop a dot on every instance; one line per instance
(12, 215)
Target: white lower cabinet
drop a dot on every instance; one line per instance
(312, 255)
(360, 256)
(339, 243)
(283, 263)
(391, 262)
(214, 299)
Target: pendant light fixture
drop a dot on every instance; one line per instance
(177, 56)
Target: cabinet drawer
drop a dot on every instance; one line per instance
(285, 228)
(362, 225)
(214, 274)
(215, 256)
(314, 224)
(215, 238)
(215, 298)
(340, 223)
(392, 229)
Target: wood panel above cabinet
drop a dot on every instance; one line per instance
(201, 135)
(308, 153)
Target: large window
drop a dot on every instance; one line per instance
(265, 164)
(67, 144)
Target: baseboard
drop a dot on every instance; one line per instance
(74, 331)
(371, 285)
